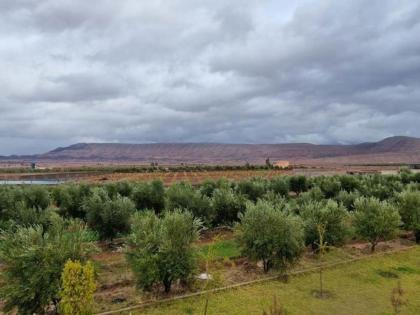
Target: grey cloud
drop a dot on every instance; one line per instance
(184, 70)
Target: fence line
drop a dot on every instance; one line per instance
(246, 283)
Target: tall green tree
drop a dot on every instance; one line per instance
(109, 217)
(331, 216)
(375, 220)
(160, 249)
(268, 234)
(409, 208)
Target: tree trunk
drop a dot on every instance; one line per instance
(417, 235)
(266, 265)
(167, 284)
(321, 289)
(372, 249)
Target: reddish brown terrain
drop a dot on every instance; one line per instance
(390, 150)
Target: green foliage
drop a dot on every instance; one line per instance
(109, 217)
(183, 196)
(227, 205)
(253, 189)
(32, 262)
(298, 184)
(347, 199)
(36, 196)
(409, 209)
(330, 187)
(149, 196)
(280, 186)
(160, 249)
(69, 198)
(21, 215)
(331, 216)
(375, 220)
(267, 233)
(77, 288)
(349, 183)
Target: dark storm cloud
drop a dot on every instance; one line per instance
(220, 71)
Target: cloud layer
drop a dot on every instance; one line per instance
(251, 71)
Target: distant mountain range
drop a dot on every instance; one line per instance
(389, 150)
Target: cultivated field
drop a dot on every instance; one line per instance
(358, 288)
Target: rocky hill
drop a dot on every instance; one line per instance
(389, 150)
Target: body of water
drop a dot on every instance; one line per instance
(30, 182)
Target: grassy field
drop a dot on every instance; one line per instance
(362, 287)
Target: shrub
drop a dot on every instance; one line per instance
(149, 196)
(160, 250)
(330, 187)
(109, 217)
(347, 199)
(252, 189)
(183, 196)
(77, 289)
(280, 186)
(69, 198)
(298, 184)
(268, 234)
(227, 206)
(409, 209)
(36, 196)
(331, 216)
(33, 260)
(375, 220)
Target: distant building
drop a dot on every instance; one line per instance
(281, 164)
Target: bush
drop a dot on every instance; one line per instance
(252, 189)
(227, 206)
(160, 250)
(183, 196)
(409, 209)
(21, 215)
(109, 217)
(32, 261)
(280, 186)
(298, 184)
(36, 196)
(268, 234)
(347, 199)
(375, 220)
(77, 289)
(69, 198)
(331, 216)
(330, 187)
(149, 196)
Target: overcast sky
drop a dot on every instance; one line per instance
(236, 71)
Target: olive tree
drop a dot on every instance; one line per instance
(409, 208)
(149, 196)
(331, 216)
(268, 234)
(183, 196)
(32, 262)
(159, 250)
(298, 184)
(109, 217)
(375, 220)
(227, 205)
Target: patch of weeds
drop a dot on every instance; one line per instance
(387, 274)
(188, 311)
(406, 269)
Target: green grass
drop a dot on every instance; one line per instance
(221, 249)
(362, 287)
